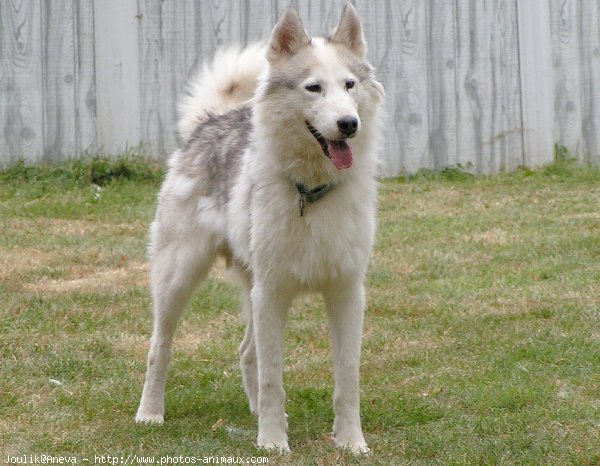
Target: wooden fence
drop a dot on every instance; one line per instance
(491, 84)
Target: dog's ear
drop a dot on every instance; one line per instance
(349, 32)
(288, 36)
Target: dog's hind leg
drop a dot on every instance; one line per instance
(177, 268)
(248, 362)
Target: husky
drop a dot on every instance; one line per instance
(278, 176)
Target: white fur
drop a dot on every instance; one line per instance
(276, 252)
(337, 102)
(207, 90)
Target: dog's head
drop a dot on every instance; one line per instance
(321, 88)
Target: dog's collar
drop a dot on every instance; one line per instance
(310, 196)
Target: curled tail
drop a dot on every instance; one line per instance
(223, 85)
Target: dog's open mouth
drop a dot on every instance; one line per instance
(338, 151)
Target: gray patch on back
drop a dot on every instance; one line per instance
(214, 151)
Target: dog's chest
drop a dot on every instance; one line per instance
(332, 238)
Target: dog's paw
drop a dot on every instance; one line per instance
(282, 449)
(280, 446)
(357, 447)
(155, 419)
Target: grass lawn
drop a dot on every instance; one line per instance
(482, 334)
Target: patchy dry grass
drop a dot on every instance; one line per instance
(481, 346)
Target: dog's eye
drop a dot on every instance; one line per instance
(313, 87)
(350, 84)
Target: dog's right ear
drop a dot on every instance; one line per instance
(288, 36)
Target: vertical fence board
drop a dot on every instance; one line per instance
(506, 141)
(383, 53)
(410, 88)
(117, 69)
(163, 72)
(58, 78)
(487, 92)
(21, 94)
(536, 81)
(566, 70)
(442, 83)
(85, 86)
(471, 66)
(590, 78)
(575, 29)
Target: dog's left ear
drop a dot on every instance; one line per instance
(349, 32)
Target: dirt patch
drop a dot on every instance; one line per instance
(118, 277)
(188, 338)
(495, 236)
(71, 227)
(22, 260)
(81, 277)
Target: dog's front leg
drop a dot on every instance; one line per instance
(345, 308)
(270, 308)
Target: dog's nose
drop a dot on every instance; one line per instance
(347, 126)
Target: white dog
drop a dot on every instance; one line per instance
(277, 175)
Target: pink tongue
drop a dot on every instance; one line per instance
(340, 154)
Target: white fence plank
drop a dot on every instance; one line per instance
(58, 79)
(21, 96)
(163, 72)
(589, 24)
(472, 79)
(85, 83)
(441, 33)
(536, 81)
(117, 67)
(408, 91)
(487, 86)
(566, 70)
(506, 142)
(384, 53)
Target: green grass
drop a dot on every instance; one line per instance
(482, 335)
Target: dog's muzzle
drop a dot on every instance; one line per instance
(339, 151)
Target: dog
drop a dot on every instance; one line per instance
(277, 174)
